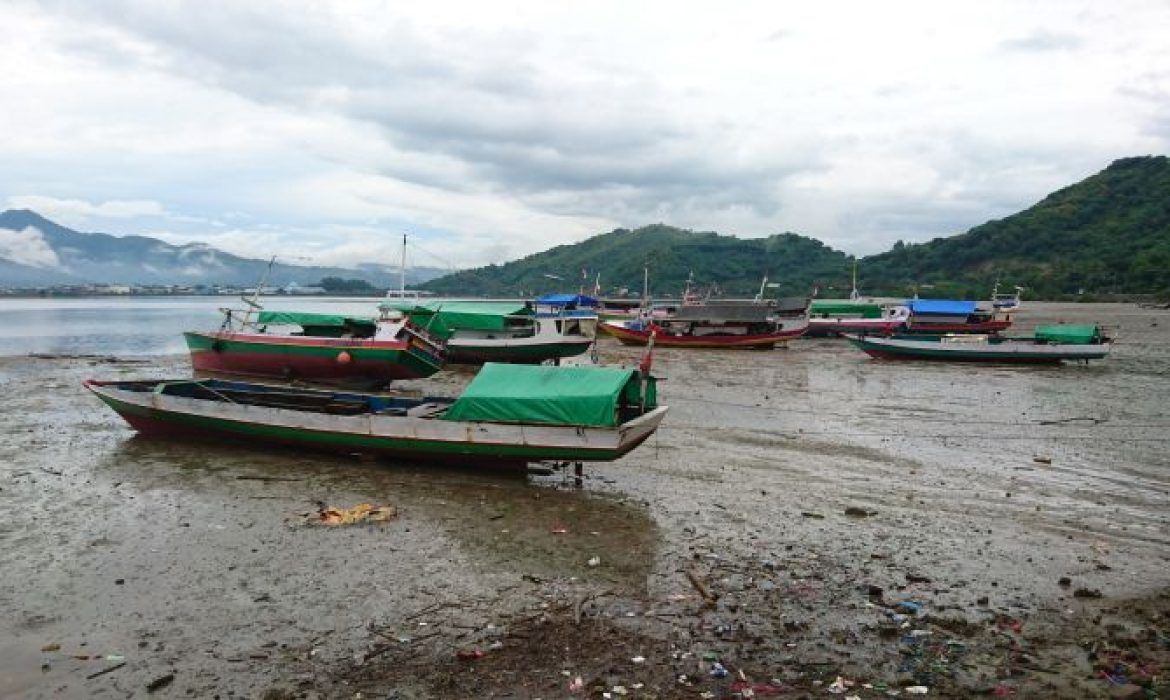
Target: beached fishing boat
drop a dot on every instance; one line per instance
(570, 307)
(508, 415)
(476, 331)
(317, 347)
(1049, 345)
(714, 325)
(1006, 302)
(832, 318)
(938, 316)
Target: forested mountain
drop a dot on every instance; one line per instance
(1108, 234)
(735, 266)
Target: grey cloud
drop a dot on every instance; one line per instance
(473, 99)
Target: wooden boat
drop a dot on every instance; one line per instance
(478, 331)
(508, 415)
(579, 308)
(317, 347)
(1050, 344)
(712, 325)
(829, 318)
(1006, 302)
(940, 316)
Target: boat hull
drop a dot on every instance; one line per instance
(933, 328)
(402, 437)
(633, 336)
(310, 358)
(1007, 352)
(516, 352)
(827, 328)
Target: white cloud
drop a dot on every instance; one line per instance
(502, 129)
(70, 211)
(28, 247)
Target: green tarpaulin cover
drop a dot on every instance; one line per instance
(844, 308)
(1069, 334)
(297, 318)
(503, 393)
(443, 318)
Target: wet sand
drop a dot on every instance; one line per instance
(804, 514)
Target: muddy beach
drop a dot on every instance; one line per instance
(807, 521)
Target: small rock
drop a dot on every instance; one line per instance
(855, 512)
(160, 682)
(1086, 593)
(1064, 582)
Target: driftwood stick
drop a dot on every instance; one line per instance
(105, 670)
(708, 596)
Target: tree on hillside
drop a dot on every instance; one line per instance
(337, 285)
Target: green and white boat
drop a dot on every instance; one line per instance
(501, 331)
(1049, 345)
(508, 415)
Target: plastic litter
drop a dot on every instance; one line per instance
(362, 512)
(717, 670)
(917, 690)
(594, 561)
(909, 606)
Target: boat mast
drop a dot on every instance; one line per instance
(854, 295)
(254, 303)
(402, 271)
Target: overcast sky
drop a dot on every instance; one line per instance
(492, 130)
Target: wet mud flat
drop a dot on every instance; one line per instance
(807, 521)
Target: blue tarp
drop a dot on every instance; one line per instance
(567, 300)
(949, 307)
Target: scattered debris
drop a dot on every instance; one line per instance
(160, 682)
(106, 670)
(361, 513)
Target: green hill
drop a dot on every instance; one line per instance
(1106, 235)
(735, 266)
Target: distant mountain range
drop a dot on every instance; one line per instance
(1109, 234)
(36, 252)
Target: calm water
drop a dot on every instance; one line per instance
(133, 326)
